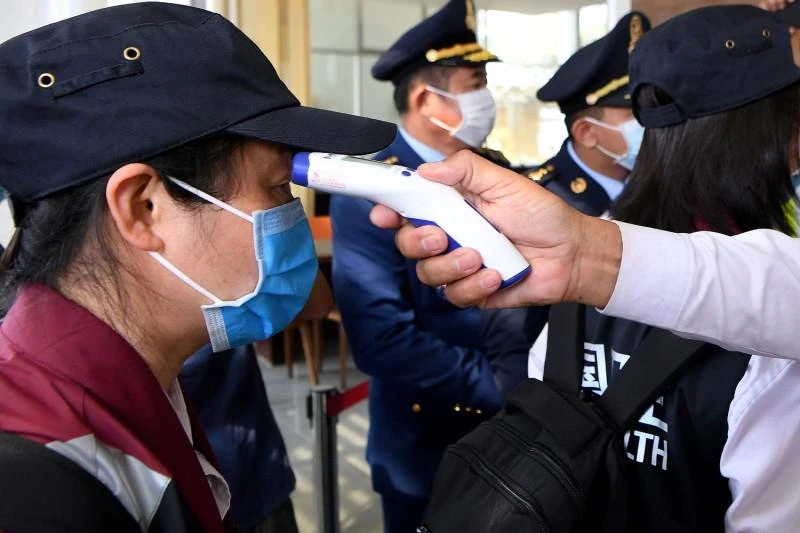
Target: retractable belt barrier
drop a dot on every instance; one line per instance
(325, 404)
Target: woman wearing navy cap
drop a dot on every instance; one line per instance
(147, 156)
(704, 456)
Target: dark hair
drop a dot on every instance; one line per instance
(436, 75)
(56, 230)
(728, 172)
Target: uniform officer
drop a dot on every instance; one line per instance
(591, 89)
(431, 381)
(589, 171)
(739, 292)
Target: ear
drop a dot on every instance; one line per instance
(420, 100)
(136, 198)
(583, 133)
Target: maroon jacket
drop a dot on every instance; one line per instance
(67, 380)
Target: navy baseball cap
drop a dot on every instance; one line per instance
(597, 74)
(711, 60)
(445, 38)
(86, 95)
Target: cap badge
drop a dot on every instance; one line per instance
(637, 30)
(470, 20)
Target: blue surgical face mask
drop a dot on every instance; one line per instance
(632, 132)
(287, 269)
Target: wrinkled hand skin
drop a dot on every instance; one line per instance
(550, 234)
(774, 5)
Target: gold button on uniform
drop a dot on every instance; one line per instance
(416, 408)
(578, 185)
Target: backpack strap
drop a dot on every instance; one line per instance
(656, 361)
(43, 491)
(659, 358)
(565, 334)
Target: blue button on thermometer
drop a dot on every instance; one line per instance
(421, 201)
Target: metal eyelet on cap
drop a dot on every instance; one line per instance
(46, 80)
(131, 53)
(730, 44)
(766, 33)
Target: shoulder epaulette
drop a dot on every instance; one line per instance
(541, 175)
(495, 156)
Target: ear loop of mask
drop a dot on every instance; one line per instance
(450, 129)
(175, 270)
(611, 127)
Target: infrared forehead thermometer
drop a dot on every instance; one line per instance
(421, 201)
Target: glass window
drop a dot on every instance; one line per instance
(333, 24)
(593, 23)
(531, 47)
(336, 81)
(376, 96)
(383, 22)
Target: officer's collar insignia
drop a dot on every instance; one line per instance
(540, 173)
(578, 185)
(391, 160)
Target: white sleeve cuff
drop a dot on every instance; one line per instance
(655, 276)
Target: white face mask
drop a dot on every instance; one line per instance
(478, 112)
(632, 132)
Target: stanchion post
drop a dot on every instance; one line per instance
(326, 467)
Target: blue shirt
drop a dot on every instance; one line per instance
(228, 393)
(425, 152)
(613, 187)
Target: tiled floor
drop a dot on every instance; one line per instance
(360, 510)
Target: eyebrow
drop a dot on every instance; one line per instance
(479, 74)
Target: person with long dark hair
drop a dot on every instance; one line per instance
(147, 155)
(704, 456)
(736, 431)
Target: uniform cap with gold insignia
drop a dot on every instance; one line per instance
(597, 74)
(445, 38)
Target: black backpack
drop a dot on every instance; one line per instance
(553, 460)
(41, 491)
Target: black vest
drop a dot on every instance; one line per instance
(675, 448)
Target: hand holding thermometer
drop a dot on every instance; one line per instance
(421, 201)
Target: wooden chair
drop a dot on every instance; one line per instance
(323, 234)
(266, 350)
(307, 344)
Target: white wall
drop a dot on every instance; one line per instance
(616, 9)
